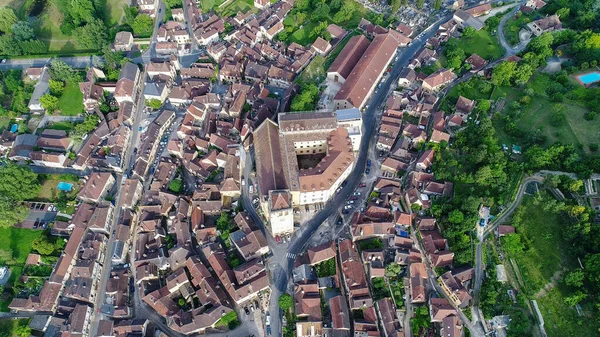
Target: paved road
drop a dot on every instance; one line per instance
(75, 62)
(487, 231)
(300, 239)
(510, 50)
(128, 160)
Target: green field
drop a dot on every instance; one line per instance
(537, 116)
(231, 8)
(71, 101)
(547, 254)
(15, 244)
(541, 230)
(113, 11)
(482, 44)
(562, 320)
(47, 28)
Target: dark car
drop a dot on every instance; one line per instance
(246, 311)
(368, 162)
(368, 170)
(353, 197)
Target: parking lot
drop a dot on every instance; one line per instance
(40, 215)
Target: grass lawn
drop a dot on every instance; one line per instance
(65, 126)
(71, 101)
(113, 11)
(542, 230)
(236, 6)
(47, 28)
(562, 320)
(513, 26)
(207, 5)
(49, 192)
(301, 35)
(8, 327)
(536, 116)
(315, 71)
(482, 44)
(15, 244)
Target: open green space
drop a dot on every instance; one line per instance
(71, 101)
(482, 44)
(563, 320)
(326, 268)
(234, 6)
(540, 229)
(49, 182)
(306, 16)
(536, 115)
(514, 25)
(315, 71)
(113, 11)
(15, 244)
(47, 29)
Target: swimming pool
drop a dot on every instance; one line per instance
(62, 186)
(589, 78)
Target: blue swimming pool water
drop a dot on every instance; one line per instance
(14, 128)
(590, 78)
(62, 186)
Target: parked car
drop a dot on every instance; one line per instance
(368, 162)
(362, 185)
(278, 239)
(368, 170)
(353, 197)
(356, 193)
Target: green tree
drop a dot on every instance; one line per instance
(32, 47)
(112, 59)
(321, 11)
(8, 46)
(345, 13)
(503, 73)
(564, 12)
(456, 216)
(512, 244)
(88, 125)
(130, 14)
(484, 105)
(142, 25)
(285, 302)
(81, 11)
(61, 71)
(224, 222)
(306, 99)
(420, 3)
(576, 298)
(22, 31)
(392, 270)
(49, 102)
(153, 103)
(23, 330)
(575, 278)
(93, 35)
(469, 32)
(522, 73)
(7, 19)
(395, 5)
(302, 5)
(437, 4)
(56, 87)
(43, 245)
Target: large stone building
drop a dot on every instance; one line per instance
(300, 161)
(367, 72)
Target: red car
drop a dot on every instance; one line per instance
(353, 197)
(278, 239)
(362, 185)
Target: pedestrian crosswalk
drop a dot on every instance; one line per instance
(291, 256)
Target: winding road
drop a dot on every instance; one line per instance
(487, 231)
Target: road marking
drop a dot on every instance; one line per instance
(291, 256)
